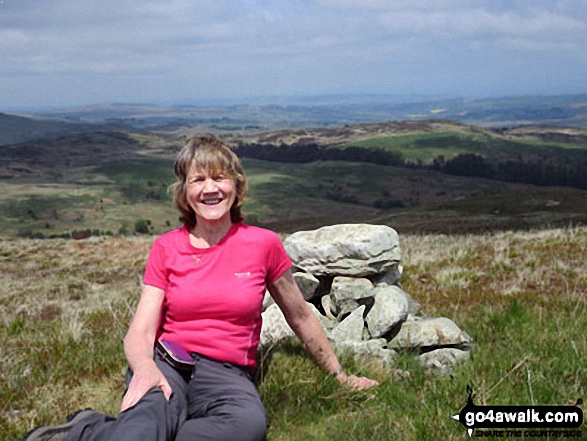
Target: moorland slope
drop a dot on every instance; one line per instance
(107, 182)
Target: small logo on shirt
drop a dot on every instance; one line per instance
(245, 274)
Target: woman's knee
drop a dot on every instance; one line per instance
(232, 423)
(243, 423)
(251, 425)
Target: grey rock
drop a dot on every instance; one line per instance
(367, 350)
(326, 322)
(414, 318)
(344, 308)
(345, 292)
(444, 359)
(351, 328)
(345, 250)
(363, 263)
(354, 288)
(427, 332)
(307, 284)
(413, 306)
(275, 327)
(388, 278)
(389, 310)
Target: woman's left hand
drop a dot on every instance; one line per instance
(355, 382)
(306, 326)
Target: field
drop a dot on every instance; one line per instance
(66, 305)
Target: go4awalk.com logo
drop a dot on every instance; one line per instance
(520, 421)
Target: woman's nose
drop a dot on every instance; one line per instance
(209, 185)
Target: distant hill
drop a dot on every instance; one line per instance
(19, 128)
(48, 159)
(250, 119)
(558, 110)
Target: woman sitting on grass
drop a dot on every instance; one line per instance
(203, 289)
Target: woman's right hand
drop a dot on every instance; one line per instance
(138, 347)
(142, 382)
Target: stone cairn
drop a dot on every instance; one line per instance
(349, 275)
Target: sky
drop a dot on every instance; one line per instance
(61, 53)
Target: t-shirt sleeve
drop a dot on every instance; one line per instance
(156, 273)
(277, 259)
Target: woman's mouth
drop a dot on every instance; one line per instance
(212, 201)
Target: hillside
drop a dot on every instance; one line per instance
(546, 156)
(338, 136)
(66, 306)
(20, 128)
(116, 182)
(397, 134)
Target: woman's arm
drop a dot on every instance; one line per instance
(138, 348)
(306, 326)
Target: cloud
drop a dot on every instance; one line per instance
(223, 47)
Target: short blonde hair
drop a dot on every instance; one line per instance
(206, 152)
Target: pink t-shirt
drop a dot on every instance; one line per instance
(213, 296)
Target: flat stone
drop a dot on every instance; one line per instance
(375, 349)
(345, 250)
(354, 288)
(427, 332)
(274, 326)
(413, 306)
(444, 359)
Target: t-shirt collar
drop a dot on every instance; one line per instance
(188, 248)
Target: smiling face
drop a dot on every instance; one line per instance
(210, 194)
(203, 169)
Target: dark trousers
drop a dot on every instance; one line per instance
(219, 403)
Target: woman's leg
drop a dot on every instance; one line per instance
(223, 405)
(151, 419)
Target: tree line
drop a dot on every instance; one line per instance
(536, 172)
(544, 173)
(304, 153)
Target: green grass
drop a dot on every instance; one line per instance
(66, 305)
(424, 147)
(141, 180)
(421, 146)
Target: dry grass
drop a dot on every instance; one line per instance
(547, 265)
(65, 278)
